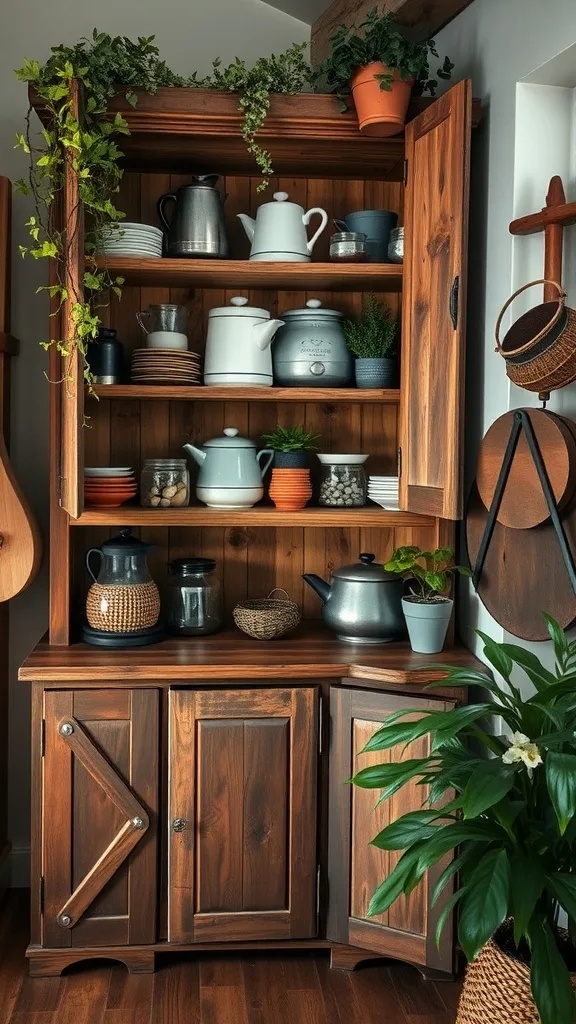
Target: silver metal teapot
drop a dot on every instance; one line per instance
(363, 604)
(197, 227)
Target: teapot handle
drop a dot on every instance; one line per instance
(92, 551)
(306, 221)
(270, 454)
(160, 207)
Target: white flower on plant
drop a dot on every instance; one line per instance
(522, 749)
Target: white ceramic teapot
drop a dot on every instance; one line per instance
(279, 231)
(238, 345)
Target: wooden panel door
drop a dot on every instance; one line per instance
(242, 817)
(434, 305)
(100, 803)
(355, 869)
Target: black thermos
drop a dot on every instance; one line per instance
(106, 357)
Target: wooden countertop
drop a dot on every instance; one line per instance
(309, 652)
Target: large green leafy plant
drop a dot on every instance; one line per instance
(104, 65)
(513, 817)
(373, 334)
(380, 39)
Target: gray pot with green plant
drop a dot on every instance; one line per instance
(373, 338)
(426, 611)
(508, 821)
(291, 446)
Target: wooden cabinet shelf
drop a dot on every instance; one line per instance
(264, 515)
(174, 393)
(182, 273)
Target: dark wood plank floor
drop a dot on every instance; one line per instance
(274, 988)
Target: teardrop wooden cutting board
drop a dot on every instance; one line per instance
(21, 543)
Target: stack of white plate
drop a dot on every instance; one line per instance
(384, 491)
(128, 239)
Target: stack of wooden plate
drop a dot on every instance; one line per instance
(165, 366)
(109, 486)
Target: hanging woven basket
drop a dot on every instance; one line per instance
(497, 990)
(540, 347)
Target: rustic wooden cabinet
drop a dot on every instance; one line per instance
(355, 868)
(242, 814)
(181, 793)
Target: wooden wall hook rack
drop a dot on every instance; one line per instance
(551, 219)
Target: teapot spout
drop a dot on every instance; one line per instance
(263, 333)
(249, 225)
(197, 454)
(319, 586)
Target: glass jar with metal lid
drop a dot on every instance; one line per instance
(310, 349)
(165, 483)
(396, 246)
(193, 597)
(348, 247)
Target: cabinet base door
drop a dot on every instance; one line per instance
(100, 788)
(242, 818)
(355, 868)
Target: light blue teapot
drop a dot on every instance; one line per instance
(231, 470)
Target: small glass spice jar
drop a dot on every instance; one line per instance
(396, 246)
(165, 483)
(193, 597)
(348, 247)
(342, 485)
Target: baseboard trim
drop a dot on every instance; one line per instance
(19, 862)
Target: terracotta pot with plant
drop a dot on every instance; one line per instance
(426, 610)
(290, 487)
(380, 67)
(512, 816)
(373, 339)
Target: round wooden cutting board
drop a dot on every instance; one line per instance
(523, 503)
(523, 573)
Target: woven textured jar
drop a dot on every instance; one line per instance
(124, 608)
(497, 990)
(268, 618)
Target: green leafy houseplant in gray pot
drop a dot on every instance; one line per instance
(512, 816)
(373, 338)
(426, 610)
(380, 67)
(291, 446)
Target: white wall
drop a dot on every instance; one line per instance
(189, 35)
(524, 138)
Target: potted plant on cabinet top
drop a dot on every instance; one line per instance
(380, 67)
(373, 338)
(290, 487)
(514, 822)
(426, 610)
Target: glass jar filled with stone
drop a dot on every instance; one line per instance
(342, 481)
(193, 605)
(165, 483)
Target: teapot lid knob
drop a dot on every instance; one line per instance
(238, 300)
(367, 558)
(231, 431)
(280, 197)
(314, 303)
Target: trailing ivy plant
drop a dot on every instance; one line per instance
(103, 65)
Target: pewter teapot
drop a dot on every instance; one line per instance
(363, 604)
(197, 226)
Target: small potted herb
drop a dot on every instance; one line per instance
(380, 67)
(290, 487)
(373, 338)
(426, 610)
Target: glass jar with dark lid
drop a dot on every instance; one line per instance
(193, 597)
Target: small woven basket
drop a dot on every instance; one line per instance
(268, 618)
(497, 990)
(124, 608)
(540, 347)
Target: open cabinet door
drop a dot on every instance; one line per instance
(434, 305)
(71, 488)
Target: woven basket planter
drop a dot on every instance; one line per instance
(268, 618)
(497, 990)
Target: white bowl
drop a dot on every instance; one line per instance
(341, 460)
(167, 339)
(107, 470)
(229, 497)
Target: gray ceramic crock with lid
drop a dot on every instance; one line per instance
(310, 349)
